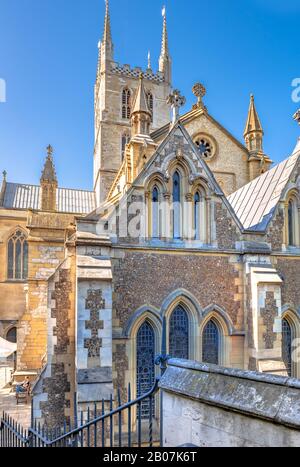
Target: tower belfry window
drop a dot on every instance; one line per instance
(126, 104)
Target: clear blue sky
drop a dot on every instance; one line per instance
(48, 56)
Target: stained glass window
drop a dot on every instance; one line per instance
(205, 148)
(287, 345)
(179, 334)
(291, 224)
(17, 257)
(176, 206)
(155, 213)
(11, 249)
(145, 365)
(210, 343)
(197, 216)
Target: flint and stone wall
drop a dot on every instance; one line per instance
(53, 401)
(210, 406)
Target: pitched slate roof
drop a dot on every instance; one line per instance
(254, 204)
(21, 196)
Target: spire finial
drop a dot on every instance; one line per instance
(107, 28)
(4, 173)
(297, 116)
(49, 174)
(48, 183)
(253, 124)
(49, 151)
(165, 63)
(164, 44)
(149, 60)
(199, 91)
(106, 50)
(176, 100)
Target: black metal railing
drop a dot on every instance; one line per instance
(12, 434)
(128, 425)
(123, 426)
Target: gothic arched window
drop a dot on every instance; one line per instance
(145, 357)
(211, 343)
(150, 102)
(176, 205)
(125, 141)
(17, 257)
(197, 205)
(179, 334)
(287, 338)
(126, 104)
(156, 230)
(291, 223)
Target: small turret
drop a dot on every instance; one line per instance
(141, 145)
(253, 134)
(141, 115)
(49, 183)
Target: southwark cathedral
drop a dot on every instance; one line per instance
(187, 232)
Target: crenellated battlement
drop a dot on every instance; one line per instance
(135, 72)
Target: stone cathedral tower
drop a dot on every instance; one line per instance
(115, 91)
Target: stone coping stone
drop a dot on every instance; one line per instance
(265, 396)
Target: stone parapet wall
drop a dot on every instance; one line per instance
(211, 406)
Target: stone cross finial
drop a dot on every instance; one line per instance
(199, 91)
(297, 116)
(49, 150)
(176, 100)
